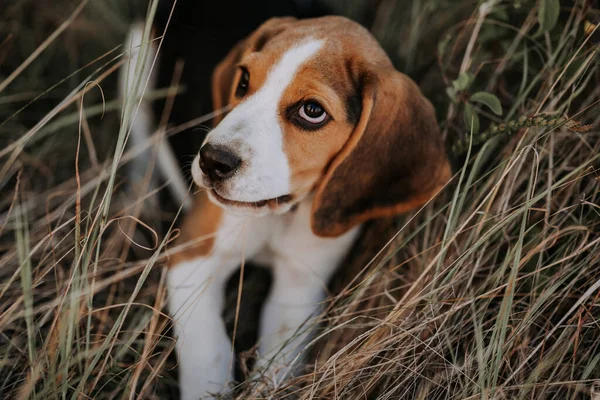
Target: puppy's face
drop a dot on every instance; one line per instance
(290, 117)
(301, 94)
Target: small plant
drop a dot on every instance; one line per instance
(458, 94)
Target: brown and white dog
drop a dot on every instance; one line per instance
(323, 135)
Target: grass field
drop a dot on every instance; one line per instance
(491, 291)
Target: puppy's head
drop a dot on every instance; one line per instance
(317, 108)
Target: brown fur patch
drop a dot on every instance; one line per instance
(198, 230)
(394, 162)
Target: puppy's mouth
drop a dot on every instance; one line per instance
(273, 203)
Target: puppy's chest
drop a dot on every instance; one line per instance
(291, 243)
(289, 235)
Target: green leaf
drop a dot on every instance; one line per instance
(463, 81)
(451, 92)
(489, 100)
(548, 14)
(471, 119)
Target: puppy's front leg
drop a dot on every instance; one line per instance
(196, 292)
(303, 265)
(286, 320)
(211, 246)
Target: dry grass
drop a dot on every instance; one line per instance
(489, 292)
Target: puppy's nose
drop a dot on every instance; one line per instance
(217, 162)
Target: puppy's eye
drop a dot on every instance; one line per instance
(242, 87)
(313, 112)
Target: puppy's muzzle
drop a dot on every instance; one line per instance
(218, 163)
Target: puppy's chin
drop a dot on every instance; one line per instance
(274, 206)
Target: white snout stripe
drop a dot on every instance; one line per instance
(253, 130)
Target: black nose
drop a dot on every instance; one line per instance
(217, 162)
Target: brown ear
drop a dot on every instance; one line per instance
(394, 161)
(225, 74)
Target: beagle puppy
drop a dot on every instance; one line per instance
(322, 135)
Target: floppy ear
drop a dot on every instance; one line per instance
(394, 160)
(226, 73)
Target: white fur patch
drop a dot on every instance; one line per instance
(204, 350)
(253, 131)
